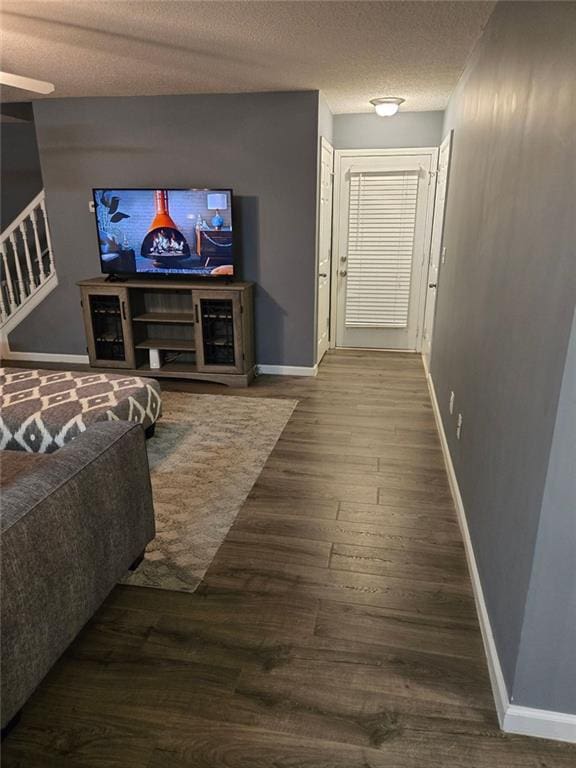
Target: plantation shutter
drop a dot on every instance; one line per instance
(381, 225)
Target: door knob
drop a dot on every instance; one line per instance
(432, 285)
(322, 274)
(343, 272)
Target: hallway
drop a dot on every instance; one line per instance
(336, 627)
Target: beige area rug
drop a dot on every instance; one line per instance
(207, 453)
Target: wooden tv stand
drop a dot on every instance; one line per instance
(201, 330)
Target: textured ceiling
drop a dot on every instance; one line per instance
(352, 51)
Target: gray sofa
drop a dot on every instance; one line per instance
(72, 523)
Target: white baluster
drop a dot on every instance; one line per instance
(8, 277)
(33, 218)
(4, 309)
(48, 240)
(20, 278)
(31, 280)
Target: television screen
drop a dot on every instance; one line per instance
(165, 231)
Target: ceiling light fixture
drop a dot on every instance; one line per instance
(387, 106)
(26, 83)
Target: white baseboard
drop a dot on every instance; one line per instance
(543, 723)
(499, 690)
(512, 717)
(288, 370)
(50, 357)
(44, 357)
(426, 368)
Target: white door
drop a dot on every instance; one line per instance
(324, 246)
(383, 240)
(436, 247)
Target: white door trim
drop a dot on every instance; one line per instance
(436, 243)
(323, 144)
(339, 156)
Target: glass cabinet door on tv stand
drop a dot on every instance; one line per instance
(107, 315)
(218, 331)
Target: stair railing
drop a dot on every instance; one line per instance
(27, 259)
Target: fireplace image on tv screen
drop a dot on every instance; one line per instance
(165, 231)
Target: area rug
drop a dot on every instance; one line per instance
(207, 453)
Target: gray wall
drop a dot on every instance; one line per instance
(264, 146)
(546, 668)
(507, 293)
(20, 174)
(405, 129)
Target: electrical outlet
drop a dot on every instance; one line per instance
(451, 403)
(91, 206)
(459, 426)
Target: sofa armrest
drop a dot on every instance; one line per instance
(70, 531)
(74, 462)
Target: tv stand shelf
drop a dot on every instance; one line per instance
(177, 329)
(182, 345)
(165, 317)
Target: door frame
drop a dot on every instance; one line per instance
(339, 156)
(436, 249)
(323, 143)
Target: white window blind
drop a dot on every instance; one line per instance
(382, 218)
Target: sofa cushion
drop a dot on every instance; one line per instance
(42, 410)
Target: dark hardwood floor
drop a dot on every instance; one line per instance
(335, 628)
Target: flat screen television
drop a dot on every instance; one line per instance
(165, 232)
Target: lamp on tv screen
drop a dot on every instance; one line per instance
(165, 231)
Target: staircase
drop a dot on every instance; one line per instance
(27, 273)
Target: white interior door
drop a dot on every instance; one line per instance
(436, 246)
(325, 188)
(384, 224)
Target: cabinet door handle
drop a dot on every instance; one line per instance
(123, 310)
(196, 313)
